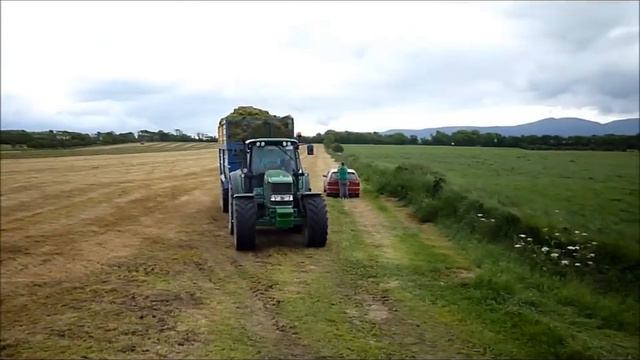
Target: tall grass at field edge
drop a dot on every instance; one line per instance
(431, 199)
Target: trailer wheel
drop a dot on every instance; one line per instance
(230, 217)
(224, 200)
(244, 223)
(315, 231)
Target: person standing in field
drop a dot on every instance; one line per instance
(343, 181)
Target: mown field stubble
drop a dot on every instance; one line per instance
(120, 256)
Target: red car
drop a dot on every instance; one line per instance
(332, 188)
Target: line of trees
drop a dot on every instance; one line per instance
(65, 139)
(476, 138)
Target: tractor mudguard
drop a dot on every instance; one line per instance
(247, 195)
(310, 193)
(237, 183)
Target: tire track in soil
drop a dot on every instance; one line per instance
(380, 307)
(263, 303)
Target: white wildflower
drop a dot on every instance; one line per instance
(522, 235)
(480, 215)
(545, 249)
(545, 229)
(570, 248)
(492, 220)
(517, 245)
(592, 255)
(529, 239)
(576, 247)
(556, 211)
(594, 243)
(577, 264)
(554, 255)
(564, 262)
(590, 262)
(556, 234)
(576, 231)
(584, 234)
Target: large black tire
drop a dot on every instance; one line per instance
(245, 212)
(230, 217)
(224, 200)
(315, 231)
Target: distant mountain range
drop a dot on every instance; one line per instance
(549, 126)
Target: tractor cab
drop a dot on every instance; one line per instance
(272, 161)
(273, 154)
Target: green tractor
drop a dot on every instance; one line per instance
(271, 189)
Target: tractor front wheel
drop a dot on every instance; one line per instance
(315, 231)
(244, 223)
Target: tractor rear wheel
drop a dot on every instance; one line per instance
(315, 231)
(244, 223)
(224, 200)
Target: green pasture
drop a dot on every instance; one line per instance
(592, 192)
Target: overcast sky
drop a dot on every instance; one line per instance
(363, 66)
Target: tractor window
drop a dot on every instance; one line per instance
(333, 176)
(271, 157)
(352, 176)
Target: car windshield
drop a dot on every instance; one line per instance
(350, 175)
(272, 157)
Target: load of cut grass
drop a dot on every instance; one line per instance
(247, 122)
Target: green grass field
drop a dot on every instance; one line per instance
(595, 193)
(537, 308)
(132, 148)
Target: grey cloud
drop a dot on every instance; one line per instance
(324, 121)
(595, 57)
(118, 90)
(457, 78)
(16, 113)
(575, 25)
(565, 56)
(611, 90)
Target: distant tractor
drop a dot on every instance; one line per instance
(262, 180)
